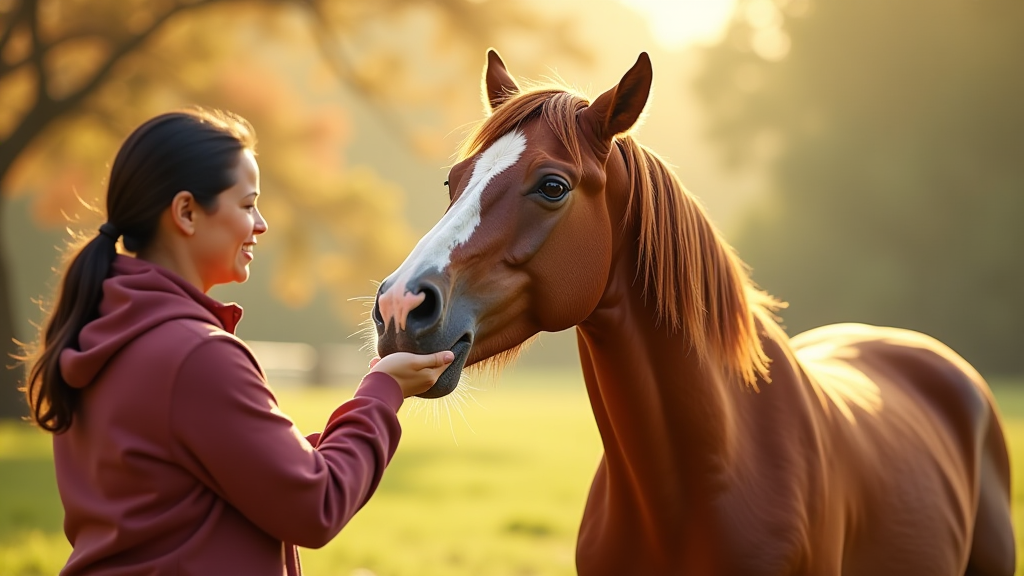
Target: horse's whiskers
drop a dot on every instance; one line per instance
(461, 397)
(441, 408)
(368, 333)
(448, 413)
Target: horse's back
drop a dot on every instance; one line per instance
(871, 365)
(918, 429)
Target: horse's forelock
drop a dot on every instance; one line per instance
(556, 105)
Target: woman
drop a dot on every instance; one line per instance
(172, 456)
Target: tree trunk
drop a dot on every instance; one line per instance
(12, 403)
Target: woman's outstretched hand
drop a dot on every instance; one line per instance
(415, 373)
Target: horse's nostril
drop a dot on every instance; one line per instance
(424, 315)
(377, 318)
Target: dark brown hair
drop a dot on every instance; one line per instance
(193, 150)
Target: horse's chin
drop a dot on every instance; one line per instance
(449, 379)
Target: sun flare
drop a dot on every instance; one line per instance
(677, 24)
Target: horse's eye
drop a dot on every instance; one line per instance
(553, 188)
(445, 183)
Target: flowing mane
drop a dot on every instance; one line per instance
(697, 281)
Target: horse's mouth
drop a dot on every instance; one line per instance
(450, 377)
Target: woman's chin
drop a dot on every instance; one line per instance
(242, 274)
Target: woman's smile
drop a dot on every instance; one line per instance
(234, 223)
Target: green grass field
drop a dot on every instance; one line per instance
(496, 487)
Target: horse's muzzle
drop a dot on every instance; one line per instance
(429, 327)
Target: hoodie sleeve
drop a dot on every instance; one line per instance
(239, 443)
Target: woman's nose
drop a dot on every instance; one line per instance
(260, 225)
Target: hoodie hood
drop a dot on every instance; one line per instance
(137, 297)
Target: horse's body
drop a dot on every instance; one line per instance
(871, 451)
(863, 456)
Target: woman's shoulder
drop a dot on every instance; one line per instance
(182, 338)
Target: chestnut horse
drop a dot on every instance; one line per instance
(730, 449)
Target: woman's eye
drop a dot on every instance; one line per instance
(553, 188)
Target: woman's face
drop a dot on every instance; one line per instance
(225, 236)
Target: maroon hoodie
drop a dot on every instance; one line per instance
(179, 460)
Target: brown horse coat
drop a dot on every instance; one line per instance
(730, 448)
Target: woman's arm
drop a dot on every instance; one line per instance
(236, 440)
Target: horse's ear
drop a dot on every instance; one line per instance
(619, 108)
(498, 83)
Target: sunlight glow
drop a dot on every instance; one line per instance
(679, 23)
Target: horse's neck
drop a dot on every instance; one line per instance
(665, 417)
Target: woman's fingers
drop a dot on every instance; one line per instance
(438, 359)
(413, 372)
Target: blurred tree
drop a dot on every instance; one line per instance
(892, 134)
(77, 75)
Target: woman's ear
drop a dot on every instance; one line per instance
(183, 212)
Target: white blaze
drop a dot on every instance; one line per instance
(434, 250)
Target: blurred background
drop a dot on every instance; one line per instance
(865, 157)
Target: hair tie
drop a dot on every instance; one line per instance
(110, 231)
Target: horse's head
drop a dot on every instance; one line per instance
(526, 244)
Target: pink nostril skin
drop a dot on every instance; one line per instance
(397, 303)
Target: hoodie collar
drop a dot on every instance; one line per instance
(137, 297)
(160, 278)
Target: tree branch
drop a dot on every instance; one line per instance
(37, 55)
(120, 52)
(45, 48)
(335, 57)
(16, 19)
(45, 109)
(86, 31)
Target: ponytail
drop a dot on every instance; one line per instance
(51, 398)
